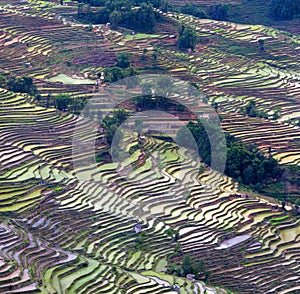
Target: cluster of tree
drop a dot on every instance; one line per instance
(189, 266)
(187, 37)
(142, 19)
(62, 101)
(218, 12)
(19, 84)
(199, 131)
(162, 87)
(193, 9)
(116, 73)
(124, 60)
(112, 122)
(96, 3)
(249, 166)
(252, 111)
(243, 162)
(124, 13)
(284, 9)
(155, 96)
(106, 3)
(122, 70)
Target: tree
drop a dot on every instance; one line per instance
(218, 12)
(2, 81)
(192, 9)
(183, 136)
(113, 74)
(215, 105)
(23, 85)
(284, 9)
(48, 98)
(61, 101)
(145, 18)
(277, 113)
(145, 51)
(115, 19)
(164, 86)
(187, 264)
(147, 88)
(112, 122)
(164, 5)
(251, 109)
(124, 60)
(243, 162)
(138, 123)
(154, 58)
(187, 37)
(38, 98)
(116, 73)
(133, 74)
(248, 175)
(261, 43)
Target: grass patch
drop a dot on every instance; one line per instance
(140, 36)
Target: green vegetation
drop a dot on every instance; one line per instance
(114, 74)
(122, 13)
(199, 132)
(21, 84)
(112, 122)
(218, 12)
(69, 228)
(3, 81)
(244, 163)
(61, 101)
(252, 111)
(193, 9)
(284, 9)
(121, 71)
(140, 36)
(187, 38)
(189, 266)
(124, 60)
(172, 233)
(249, 166)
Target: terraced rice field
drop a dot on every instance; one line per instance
(80, 238)
(62, 235)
